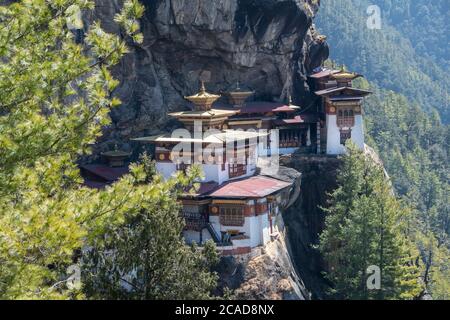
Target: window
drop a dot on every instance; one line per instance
(237, 170)
(345, 135)
(232, 216)
(345, 118)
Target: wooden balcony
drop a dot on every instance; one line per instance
(194, 220)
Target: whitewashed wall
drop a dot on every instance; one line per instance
(334, 146)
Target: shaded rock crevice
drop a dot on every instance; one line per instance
(305, 219)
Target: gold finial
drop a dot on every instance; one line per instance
(202, 87)
(291, 104)
(342, 68)
(237, 85)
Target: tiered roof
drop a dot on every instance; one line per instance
(220, 137)
(343, 91)
(203, 100)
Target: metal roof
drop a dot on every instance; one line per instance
(348, 90)
(323, 73)
(258, 107)
(253, 187)
(304, 118)
(221, 137)
(263, 107)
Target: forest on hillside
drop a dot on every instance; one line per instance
(409, 54)
(407, 117)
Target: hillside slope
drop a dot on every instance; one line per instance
(408, 55)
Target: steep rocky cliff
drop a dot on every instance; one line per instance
(305, 219)
(268, 272)
(268, 45)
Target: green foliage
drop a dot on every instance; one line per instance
(55, 97)
(408, 55)
(415, 149)
(406, 62)
(365, 226)
(145, 257)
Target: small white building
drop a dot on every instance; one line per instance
(342, 107)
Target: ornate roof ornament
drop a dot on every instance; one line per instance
(237, 96)
(345, 75)
(203, 100)
(116, 157)
(291, 105)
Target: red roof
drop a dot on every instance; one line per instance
(264, 107)
(304, 118)
(323, 73)
(253, 187)
(107, 173)
(257, 107)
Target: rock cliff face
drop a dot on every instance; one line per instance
(305, 219)
(268, 45)
(267, 274)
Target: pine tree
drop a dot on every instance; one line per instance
(364, 228)
(145, 257)
(55, 97)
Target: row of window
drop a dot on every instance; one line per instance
(237, 170)
(232, 216)
(345, 118)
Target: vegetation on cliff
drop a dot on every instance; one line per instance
(55, 96)
(415, 149)
(407, 117)
(366, 227)
(409, 54)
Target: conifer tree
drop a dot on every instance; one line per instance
(55, 97)
(145, 257)
(364, 228)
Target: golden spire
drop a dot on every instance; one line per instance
(290, 103)
(202, 87)
(203, 100)
(238, 96)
